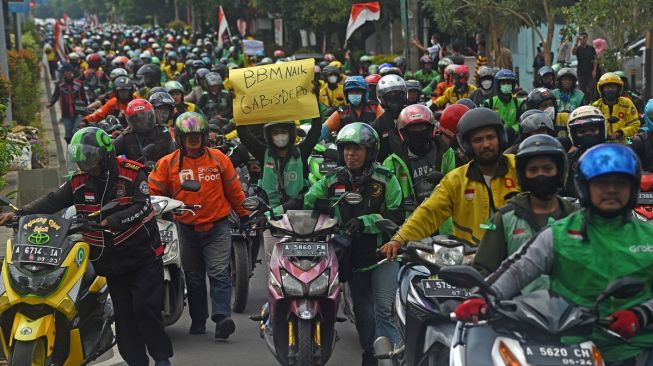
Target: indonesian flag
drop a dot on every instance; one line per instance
(58, 41)
(361, 13)
(222, 26)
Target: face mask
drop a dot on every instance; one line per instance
(610, 95)
(418, 142)
(281, 140)
(541, 186)
(588, 141)
(332, 79)
(486, 84)
(506, 89)
(355, 99)
(395, 103)
(549, 85)
(551, 112)
(173, 63)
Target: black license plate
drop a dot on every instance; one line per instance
(36, 254)
(439, 288)
(304, 250)
(328, 166)
(645, 198)
(166, 236)
(547, 355)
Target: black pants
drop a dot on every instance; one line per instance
(52, 66)
(137, 299)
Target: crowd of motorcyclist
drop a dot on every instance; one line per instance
(438, 150)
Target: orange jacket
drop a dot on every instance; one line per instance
(109, 107)
(220, 189)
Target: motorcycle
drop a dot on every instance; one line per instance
(298, 323)
(644, 208)
(527, 329)
(173, 275)
(423, 301)
(54, 309)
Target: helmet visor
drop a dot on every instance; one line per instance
(143, 121)
(83, 157)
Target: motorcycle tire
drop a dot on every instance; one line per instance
(438, 356)
(304, 342)
(239, 275)
(177, 299)
(29, 353)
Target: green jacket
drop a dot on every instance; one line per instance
(509, 112)
(572, 101)
(282, 180)
(426, 78)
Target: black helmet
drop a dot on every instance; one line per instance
(544, 71)
(533, 120)
(151, 75)
(399, 61)
(134, 65)
(467, 103)
(200, 74)
(89, 147)
(213, 79)
(162, 98)
(537, 96)
(330, 70)
(157, 89)
(478, 118)
(123, 83)
(542, 145)
(292, 131)
(220, 69)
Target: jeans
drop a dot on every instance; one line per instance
(70, 123)
(207, 253)
(373, 294)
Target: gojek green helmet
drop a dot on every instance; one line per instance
(362, 134)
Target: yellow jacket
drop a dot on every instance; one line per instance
(172, 72)
(332, 98)
(451, 97)
(463, 195)
(626, 112)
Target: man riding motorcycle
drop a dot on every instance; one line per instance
(485, 90)
(567, 95)
(215, 101)
(124, 89)
(619, 112)
(505, 103)
(164, 107)
(460, 89)
(391, 93)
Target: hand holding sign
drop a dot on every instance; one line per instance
(271, 93)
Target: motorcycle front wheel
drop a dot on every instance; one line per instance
(239, 276)
(30, 353)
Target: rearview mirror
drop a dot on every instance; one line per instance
(621, 288)
(190, 185)
(386, 226)
(4, 201)
(465, 277)
(353, 198)
(251, 203)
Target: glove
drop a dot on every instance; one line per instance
(353, 226)
(293, 204)
(625, 323)
(244, 223)
(471, 309)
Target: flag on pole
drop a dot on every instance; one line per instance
(222, 26)
(58, 41)
(361, 13)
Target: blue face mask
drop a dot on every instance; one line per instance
(355, 99)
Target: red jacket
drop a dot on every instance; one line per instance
(108, 108)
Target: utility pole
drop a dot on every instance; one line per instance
(3, 59)
(412, 60)
(19, 32)
(404, 25)
(648, 66)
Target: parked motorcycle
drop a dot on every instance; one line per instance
(54, 309)
(298, 323)
(644, 208)
(527, 329)
(423, 301)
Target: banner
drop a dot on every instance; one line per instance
(273, 93)
(361, 13)
(222, 26)
(252, 46)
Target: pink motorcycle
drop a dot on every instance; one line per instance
(298, 322)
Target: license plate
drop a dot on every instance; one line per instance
(439, 288)
(304, 250)
(546, 355)
(645, 198)
(166, 236)
(249, 233)
(36, 254)
(328, 166)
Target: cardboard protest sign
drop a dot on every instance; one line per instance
(272, 93)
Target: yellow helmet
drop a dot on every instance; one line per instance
(609, 78)
(336, 63)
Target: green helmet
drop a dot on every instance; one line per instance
(362, 134)
(191, 122)
(173, 85)
(621, 74)
(155, 60)
(89, 147)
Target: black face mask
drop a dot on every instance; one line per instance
(611, 95)
(588, 141)
(541, 186)
(419, 142)
(393, 105)
(549, 85)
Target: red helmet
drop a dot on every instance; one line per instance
(450, 117)
(461, 73)
(450, 69)
(120, 61)
(425, 60)
(329, 57)
(94, 59)
(413, 115)
(373, 79)
(140, 115)
(279, 54)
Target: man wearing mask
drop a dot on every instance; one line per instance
(471, 193)
(142, 132)
(541, 170)
(68, 92)
(568, 96)
(150, 77)
(413, 92)
(546, 77)
(357, 110)
(505, 103)
(332, 93)
(460, 89)
(215, 101)
(426, 74)
(485, 91)
(391, 93)
(172, 68)
(542, 99)
(164, 107)
(619, 112)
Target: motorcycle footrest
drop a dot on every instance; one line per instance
(341, 319)
(256, 318)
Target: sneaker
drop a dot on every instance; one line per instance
(198, 328)
(224, 328)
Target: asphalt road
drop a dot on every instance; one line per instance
(244, 347)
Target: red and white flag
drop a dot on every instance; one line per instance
(58, 41)
(222, 26)
(361, 13)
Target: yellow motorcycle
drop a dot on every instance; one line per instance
(54, 309)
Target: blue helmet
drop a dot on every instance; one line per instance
(504, 74)
(608, 159)
(356, 83)
(648, 116)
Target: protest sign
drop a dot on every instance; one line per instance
(272, 93)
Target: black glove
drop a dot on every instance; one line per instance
(323, 206)
(293, 204)
(353, 226)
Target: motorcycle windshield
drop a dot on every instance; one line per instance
(302, 221)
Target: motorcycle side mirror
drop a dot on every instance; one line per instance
(386, 226)
(251, 203)
(191, 185)
(353, 198)
(621, 288)
(331, 154)
(4, 201)
(465, 277)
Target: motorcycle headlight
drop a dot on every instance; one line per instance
(39, 283)
(319, 285)
(291, 285)
(171, 251)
